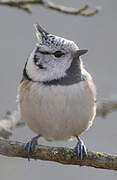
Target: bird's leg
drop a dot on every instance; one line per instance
(29, 147)
(81, 149)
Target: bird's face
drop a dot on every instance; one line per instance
(51, 58)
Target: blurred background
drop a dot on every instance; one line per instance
(99, 35)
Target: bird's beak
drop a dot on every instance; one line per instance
(82, 51)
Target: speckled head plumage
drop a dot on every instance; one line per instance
(52, 41)
(52, 58)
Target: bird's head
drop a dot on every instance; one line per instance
(52, 57)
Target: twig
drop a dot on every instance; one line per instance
(23, 5)
(59, 154)
(106, 106)
(9, 123)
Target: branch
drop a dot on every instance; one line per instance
(59, 154)
(23, 5)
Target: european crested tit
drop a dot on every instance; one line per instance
(56, 96)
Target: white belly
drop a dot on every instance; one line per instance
(58, 112)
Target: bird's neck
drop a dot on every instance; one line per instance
(73, 75)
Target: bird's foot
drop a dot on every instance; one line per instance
(81, 149)
(29, 147)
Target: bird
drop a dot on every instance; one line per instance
(56, 96)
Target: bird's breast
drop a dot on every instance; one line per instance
(58, 112)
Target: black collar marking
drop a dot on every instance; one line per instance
(73, 75)
(25, 75)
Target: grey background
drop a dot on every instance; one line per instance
(98, 34)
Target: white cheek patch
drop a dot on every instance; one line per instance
(58, 70)
(54, 70)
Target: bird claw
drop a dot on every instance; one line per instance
(81, 149)
(29, 147)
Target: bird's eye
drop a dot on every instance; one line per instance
(58, 54)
